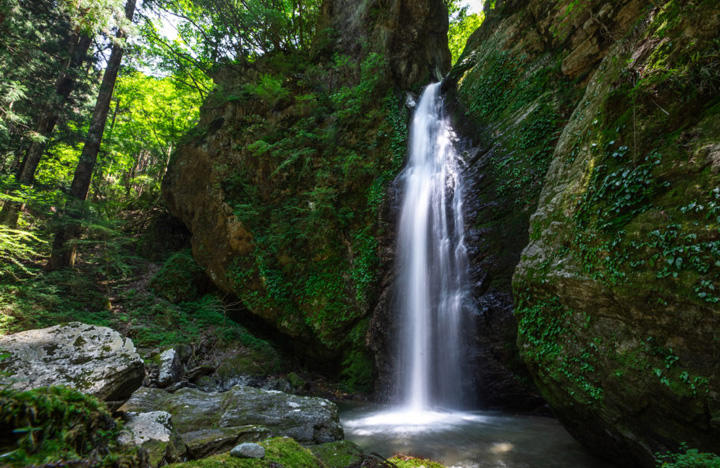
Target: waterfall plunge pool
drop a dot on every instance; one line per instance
(468, 439)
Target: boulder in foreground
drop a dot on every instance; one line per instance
(92, 359)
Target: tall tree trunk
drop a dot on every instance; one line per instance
(79, 44)
(63, 250)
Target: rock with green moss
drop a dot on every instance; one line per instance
(180, 279)
(202, 443)
(615, 291)
(283, 183)
(59, 426)
(154, 432)
(402, 461)
(599, 124)
(207, 420)
(340, 454)
(95, 360)
(279, 452)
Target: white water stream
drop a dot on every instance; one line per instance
(432, 294)
(432, 263)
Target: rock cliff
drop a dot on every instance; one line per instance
(282, 182)
(600, 126)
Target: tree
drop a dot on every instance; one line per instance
(461, 28)
(63, 252)
(65, 31)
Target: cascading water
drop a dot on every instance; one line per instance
(432, 262)
(432, 298)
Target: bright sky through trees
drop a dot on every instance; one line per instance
(475, 5)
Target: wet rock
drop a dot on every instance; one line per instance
(205, 442)
(171, 368)
(95, 360)
(305, 419)
(248, 450)
(154, 432)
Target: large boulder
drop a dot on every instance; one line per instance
(94, 360)
(212, 422)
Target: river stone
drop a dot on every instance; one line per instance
(205, 442)
(248, 450)
(171, 368)
(154, 432)
(305, 419)
(94, 360)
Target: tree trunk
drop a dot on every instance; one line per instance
(64, 251)
(64, 85)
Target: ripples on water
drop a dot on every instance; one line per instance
(467, 439)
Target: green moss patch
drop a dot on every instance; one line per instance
(341, 454)
(180, 279)
(281, 451)
(58, 425)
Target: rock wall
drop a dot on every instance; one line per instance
(282, 182)
(599, 124)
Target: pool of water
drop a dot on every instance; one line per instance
(467, 439)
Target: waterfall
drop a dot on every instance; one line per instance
(432, 265)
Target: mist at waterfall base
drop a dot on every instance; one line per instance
(434, 308)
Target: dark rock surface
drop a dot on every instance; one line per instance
(600, 135)
(209, 422)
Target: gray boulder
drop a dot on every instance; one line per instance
(94, 360)
(208, 441)
(201, 415)
(154, 432)
(171, 368)
(248, 450)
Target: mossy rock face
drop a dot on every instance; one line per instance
(282, 182)
(280, 451)
(617, 291)
(59, 425)
(341, 454)
(180, 279)
(411, 462)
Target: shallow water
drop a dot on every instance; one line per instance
(467, 439)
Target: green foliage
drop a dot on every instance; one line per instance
(510, 91)
(34, 48)
(16, 248)
(148, 118)
(546, 341)
(461, 28)
(688, 458)
(56, 424)
(310, 142)
(269, 88)
(178, 279)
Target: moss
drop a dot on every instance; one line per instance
(180, 278)
(341, 454)
(548, 345)
(402, 461)
(280, 451)
(510, 91)
(329, 157)
(58, 425)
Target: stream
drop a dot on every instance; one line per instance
(471, 439)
